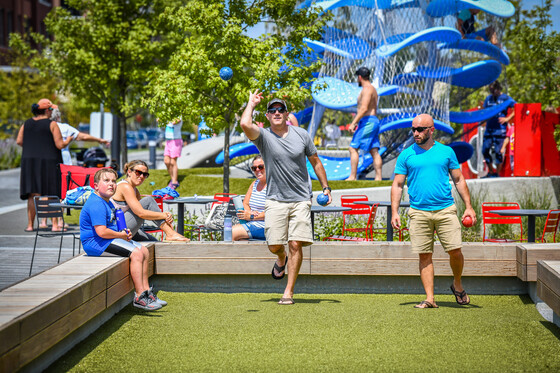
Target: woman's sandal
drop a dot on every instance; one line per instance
(460, 296)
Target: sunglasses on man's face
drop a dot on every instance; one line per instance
(140, 173)
(420, 129)
(260, 167)
(273, 110)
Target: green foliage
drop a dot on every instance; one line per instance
(213, 35)
(534, 72)
(21, 87)
(106, 55)
(10, 154)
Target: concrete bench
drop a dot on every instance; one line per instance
(529, 254)
(45, 315)
(548, 286)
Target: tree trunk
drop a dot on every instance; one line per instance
(124, 150)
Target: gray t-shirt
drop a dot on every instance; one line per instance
(285, 160)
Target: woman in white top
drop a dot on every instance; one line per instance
(137, 209)
(253, 204)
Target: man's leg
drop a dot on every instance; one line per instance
(279, 251)
(294, 264)
(377, 163)
(427, 276)
(457, 261)
(354, 159)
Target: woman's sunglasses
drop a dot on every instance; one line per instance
(140, 173)
(260, 167)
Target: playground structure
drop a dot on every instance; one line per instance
(416, 54)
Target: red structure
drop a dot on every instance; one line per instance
(535, 152)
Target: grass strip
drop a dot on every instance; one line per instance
(321, 332)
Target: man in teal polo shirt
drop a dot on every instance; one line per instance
(427, 164)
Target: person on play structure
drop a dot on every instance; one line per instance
(365, 126)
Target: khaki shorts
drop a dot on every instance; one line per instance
(287, 221)
(423, 224)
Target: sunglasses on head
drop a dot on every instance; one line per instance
(273, 110)
(140, 173)
(420, 129)
(260, 167)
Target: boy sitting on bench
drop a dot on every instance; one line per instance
(98, 232)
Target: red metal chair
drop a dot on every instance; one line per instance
(152, 230)
(199, 229)
(491, 218)
(551, 224)
(357, 210)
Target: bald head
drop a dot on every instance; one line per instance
(423, 120)
(422, 129)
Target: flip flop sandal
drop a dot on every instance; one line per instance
(279, 269)
(460, 295)
(286, 301)
(426, 304)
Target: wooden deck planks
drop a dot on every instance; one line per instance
(331, 258)
(527, 256)
(47, 307)
(548, 283)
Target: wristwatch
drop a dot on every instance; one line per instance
(327, 187)
(252, 216)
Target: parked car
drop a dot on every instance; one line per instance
(142, 139)
(132, 140)
(156, 134)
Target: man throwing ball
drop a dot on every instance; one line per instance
(288, 199)
(427, 164)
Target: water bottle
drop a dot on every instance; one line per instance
(121, 221)
(227, 229)
(239, 207)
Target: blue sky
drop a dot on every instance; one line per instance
(555, 11)
(527, 4)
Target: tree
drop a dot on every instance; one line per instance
(190, 86)
(21, 87)
(534, 72)
(106, 55)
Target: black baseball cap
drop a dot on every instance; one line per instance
(276, 101)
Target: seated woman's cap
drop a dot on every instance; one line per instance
(44, 103)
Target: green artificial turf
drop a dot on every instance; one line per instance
(327, 332)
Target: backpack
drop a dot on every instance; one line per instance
(215, 219)
(78, 196)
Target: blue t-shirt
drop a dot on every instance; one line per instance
(493, 126)
(428, 175)
(96, 211)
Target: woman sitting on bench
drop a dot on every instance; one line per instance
(137, 209)
(254, 201)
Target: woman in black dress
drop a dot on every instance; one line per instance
(41, 140)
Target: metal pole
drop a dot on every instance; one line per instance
(101, 129)
(152, 145)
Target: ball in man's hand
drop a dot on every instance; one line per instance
(226, 73)
(467, 221)
(322, 199)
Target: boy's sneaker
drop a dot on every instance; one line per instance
(154, 297)
(144, 302)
